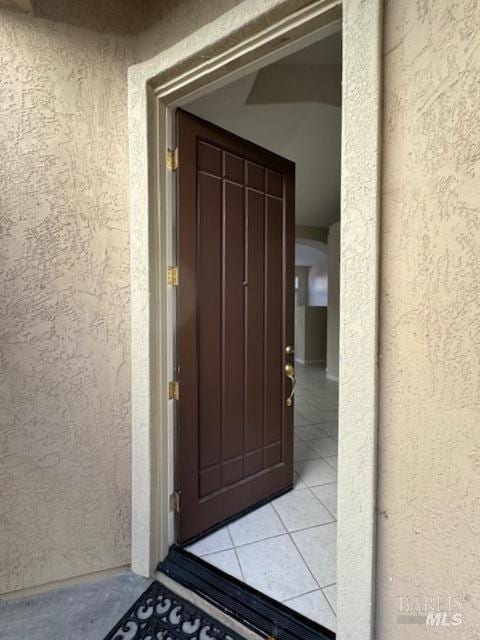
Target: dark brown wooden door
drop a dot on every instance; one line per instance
(235, 321)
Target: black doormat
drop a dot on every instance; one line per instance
(159, 614)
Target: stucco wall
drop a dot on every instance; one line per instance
(429, 453)
(175, 20)
(65, 441)
(64, 330)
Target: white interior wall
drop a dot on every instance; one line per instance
(333, 314)
(318, 282)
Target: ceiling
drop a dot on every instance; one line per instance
(292, 108)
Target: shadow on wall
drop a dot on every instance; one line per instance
(149, 22)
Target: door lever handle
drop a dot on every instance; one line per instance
(290, 373)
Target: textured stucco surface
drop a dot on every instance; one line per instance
(64, 329)
(65, 437)
(361, 102)
(429, 442)
(114, 16)
(65, 442)
(178, 20)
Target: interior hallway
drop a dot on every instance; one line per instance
(287, 548)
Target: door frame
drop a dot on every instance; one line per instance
(235, 44)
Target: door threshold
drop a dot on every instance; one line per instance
(241, 602)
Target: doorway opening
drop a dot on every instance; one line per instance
(221, 52)
(282, 545)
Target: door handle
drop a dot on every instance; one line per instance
(290, 373)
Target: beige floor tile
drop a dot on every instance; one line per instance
(318, 547)
(302, 451)
(327, 494)
(316, 607)
(226, 561)
(324, 446)
(257, 525)
(276, 568)
(314, 472)
(310, 432)
(217, 541)
(301, 509)
(332, 460)
(331, 595)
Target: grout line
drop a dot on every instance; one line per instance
(317, 425)
(296, 546)
(317, 457)
(327, 599)
(302, 594)
(236, 554)
(240, 565)
(210, 553)
(306, 563)
(325, 507)
(279, 535)
(234, 547)
(320, 484)
(246, 544)
(319, 454)
(329, 464)
(313, 424)
(321, 502)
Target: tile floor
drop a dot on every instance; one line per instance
(294, 535)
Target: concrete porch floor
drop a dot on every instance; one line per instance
(86, 611)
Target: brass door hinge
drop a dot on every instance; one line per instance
(173, 390)
(172, 276)
(172, 159)
(175, 502)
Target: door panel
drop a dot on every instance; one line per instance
(235, 317)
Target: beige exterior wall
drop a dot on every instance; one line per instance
(65, 315)
(65, 444)
(429, 448)
(65, 441)
(176, 20)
